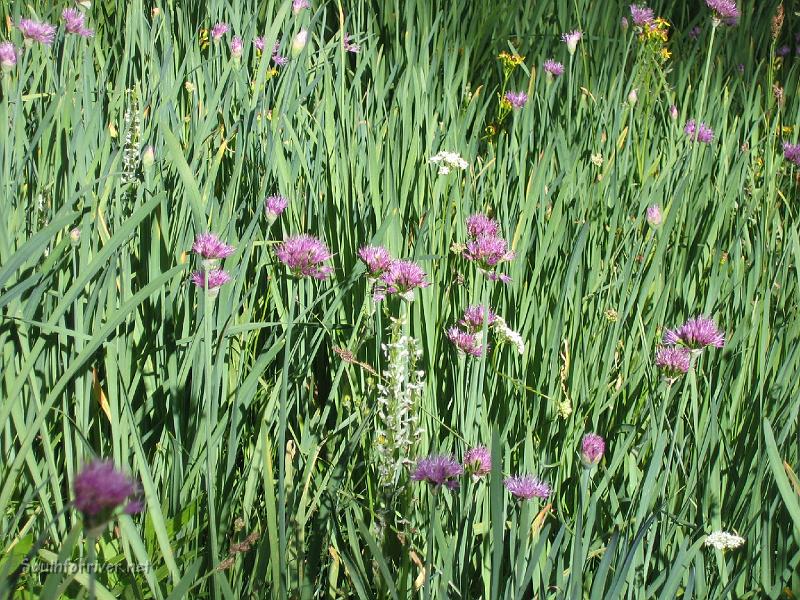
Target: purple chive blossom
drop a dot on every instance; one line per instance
(298, 5)
(654, 215)
(525, 487)
(304, 255)
(673, 112)
(478, 461)
(673, 361)
(279, 60)
(468, 343)
(473, 318)
(377, 259)
(698, 133)
(218, 30)
(593, 447)
(516, 99)
(725, 11)
(641, 15)
(571, 39)
(696, 334)
(438, 471)
(694, 33)
(100, 489)
(274, 206)
(216, 279)
(553, 68)
(35, 31)
(401, 278)
(488, 251)
(74, 22)
(209, 247)
(8, 56)
(348, 45)
(259, 43)
(237, 47)
(479, 225)
(791, 152)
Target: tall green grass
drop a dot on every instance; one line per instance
(108, 351)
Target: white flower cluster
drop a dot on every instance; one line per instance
(722, 540)
(505, 334)
(130, 154)
(448, 160)
(397, 429)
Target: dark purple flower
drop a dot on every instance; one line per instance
(641, 15)
(274, 206)
(377, 259)
(479, 225)
(100, 489)
(791, 152)
(348, 45)
(304, 255)
(699, 133)
(478, 461)
(218, 30)
(593, 447)
(401, 278)
(8, 56)
(35, 31)
(697, 333)
(438, 471)
(694, 32)
(516, 99)
(553, 68)
(525, 487)
(209, 247)
(473, 318)
(783, 51)
(673, 361)
(725, 11)
(468, 343)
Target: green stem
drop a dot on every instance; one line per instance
(91, 559)
(429, 548)
(209, 404)
(287, 350)
(705, 77)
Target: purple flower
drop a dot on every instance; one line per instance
(377, 259)
(237, 47)
(791, 152)
(218, 30)
(210, 247)
(641, 15)
(623, 24)
(593, 447)
(725, 11)
(303, 255)
(348, 45)
(438, 471)
(516, 99)
(698, 133)
(478, 461)
(694, 32)
(298, 5)
(697, 333)
(259, 43)
(274, 206)
(468, 343)
(473, 318)
(8, 56)
(401, 278)
(673, 112)
(488, 251)
(571, 39)
(479, 225)
(216, 279)
(654, 215)
(784, 51)
(74, 22)
(279, 60)
(525, 487)
(673, 361)
(100, 489)
(553, 68)
(35, 31)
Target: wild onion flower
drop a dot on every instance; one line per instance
(259, 43)
(274, 206)
(216, 279)
(211, 249)
(148, 157)
(553, 68)
(438, 471)
(673, 362)
(8, 56)
(723, 540)
(673, 112)
(642, 15)
(299, 42)
(478, 461)
(725, 11)
(303, 255)
(74, 22)
(516, 100)
(698, 133)
(447, 161)
(505, 334)
(348, 45)
(468, 343)
(791, 152)
(36, 31)
(472, 320)
(633, 96)
(401, 278)
(571, 39)
(237, 47)
(219, 29)
(479, 225)
(593, 447)
(525, 487)
(488, 251)
(623, 24)
(696, 334)
(654, 215)
(298, 5)
(377, 259)
(277, 58)
(100, 489)
(75, 236)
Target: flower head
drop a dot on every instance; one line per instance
(525, 487)
(377, 259)
(697, 333)
(553, 68)
(209, 247)
(75, 236)
(673, 361)
(725, 11)
(505, 334)
(791, 152)
(237, 47)
(723, 540)
(348, 45)
(448, 160)
(488, 251)
(571, 39)
(74, 22)
(259, 43)
(274, 206)
(516, 100)
(654, 215)
(100, 489)
(468, 343)
(299, 42)
(219, 29)
(479, 225)
(641, 15)
(8, 56)
(673, 112)
(35, 31)
(478, 461)
(593, 447)
(695, 32)
(474, 316)
(698, 133)
(298, 5)
(438, 471)
(216, 279)
(303, 255)
(401, 278)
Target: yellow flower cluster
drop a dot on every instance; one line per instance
(654, 37)
(510, 61)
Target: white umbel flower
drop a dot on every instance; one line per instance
(447, 161)
(723, 540)
(505, 334)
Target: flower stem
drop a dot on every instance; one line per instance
(91, 559)
(209, 402)
(429, 547)
(283, 416)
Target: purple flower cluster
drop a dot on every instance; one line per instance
(438, 471)
(698, 133)
(209, 247)
(274, 207)
(516, 99)
(791, 152)
(8, 56)
(694, 33)
(213, 278)
(218, 30)
(298, 5)
(277, 58)
(36, 31)
(303, 255)
(641, 15)
(74, 22)
(696, 334)
(348, 45)
(526, 487)
(401, 278)
(478, 461)
(485, 247)
(725, 11)
(472, 320)
(468, 343)
(377, 259)
(673, 361)
(237, 47)
(571, 39)
(593, 447)
(553, 68)
(100, 489)
(654, 215)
